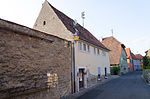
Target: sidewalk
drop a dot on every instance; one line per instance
(103, 81)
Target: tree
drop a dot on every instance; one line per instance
(146, 62)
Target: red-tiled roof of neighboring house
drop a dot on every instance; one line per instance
(139, 56)
(84, 34)
(115, 46)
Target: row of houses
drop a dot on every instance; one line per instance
(58, 53)
(135, 62)
(122, 60)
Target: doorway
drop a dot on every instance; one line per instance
(81, 78)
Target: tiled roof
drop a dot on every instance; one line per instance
(115, 46)
(139, 56)
(84, 34)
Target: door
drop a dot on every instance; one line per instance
(105, 71)
(81, 78)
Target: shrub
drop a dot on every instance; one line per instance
(114, 70)
(147, 67)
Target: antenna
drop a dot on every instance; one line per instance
(83, 17)
(112, 32)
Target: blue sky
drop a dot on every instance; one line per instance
(129, 19)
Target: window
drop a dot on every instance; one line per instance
(44, 23)
(98, 51)
(80, 45)
(84, 47)
(103, 53)
(94, 50)
(88, 47)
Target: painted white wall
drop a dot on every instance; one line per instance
(90, 60)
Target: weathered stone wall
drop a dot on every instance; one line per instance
(146, 75)
(27, 55)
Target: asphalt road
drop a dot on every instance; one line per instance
(129, 86)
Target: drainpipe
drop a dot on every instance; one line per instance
(73, 66)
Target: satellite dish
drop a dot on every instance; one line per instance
(75, 22)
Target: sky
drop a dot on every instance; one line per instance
(129, 19)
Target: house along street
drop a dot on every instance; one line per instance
(129, 86)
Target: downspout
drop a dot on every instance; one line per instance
(73, 66)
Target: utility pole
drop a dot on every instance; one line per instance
(83, 17)
(75, 38)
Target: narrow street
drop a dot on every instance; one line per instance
(129, 86)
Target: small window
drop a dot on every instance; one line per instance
(103, 53)
(44, 23)
(84, 47)
(88, 48)
(94, 50)
(98, 51)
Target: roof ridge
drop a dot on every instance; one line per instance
(66, 16)
(84, 34)
(113, 38)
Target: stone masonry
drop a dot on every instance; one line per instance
(146, 75)
(28, 57)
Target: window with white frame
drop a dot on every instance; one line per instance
(103, 53)
(84, 47)
(88, 48)
(94, 50)
(80, 45)
(98, 51)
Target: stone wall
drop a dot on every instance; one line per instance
(146, 75)
(26, 56)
